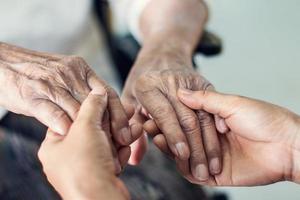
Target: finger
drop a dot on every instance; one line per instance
(166, 119)
(52, 116)
(66, 101)
(52, 137)
(151, 128)
(119, 121)
(191, 127)
(212, 102)
(124, 154)
(221, 124)
(93, 108)
(138, 148)
(210, 141)
(161, 143)
(106, 128)
(129, 109)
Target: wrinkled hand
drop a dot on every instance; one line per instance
(190, 135)
(52, 87)
(263, 143)
(80, 165)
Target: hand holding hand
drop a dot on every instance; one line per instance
(52, 87)
(80, 165)
(191, 136)
(263, 143)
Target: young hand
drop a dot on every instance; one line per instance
(263, 143)
(81, 164)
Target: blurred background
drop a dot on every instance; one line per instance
(260, 55)
(260, 59)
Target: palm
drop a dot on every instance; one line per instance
(254, 151)
(249, 162)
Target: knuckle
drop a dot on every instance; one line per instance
(189, 123)
(161, 112)
(58, 115)
(205, 119)
(170, 79)
(71, 61)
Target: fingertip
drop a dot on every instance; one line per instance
(182, 151)
(124, 155)
(62, 127)
(221, 125)
(215, 166)
(138, 149)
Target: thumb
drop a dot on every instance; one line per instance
(210, 101)
(93, 108)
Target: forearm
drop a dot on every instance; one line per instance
(172, 26)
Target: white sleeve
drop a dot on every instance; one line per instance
(134, 15)
(126, 15)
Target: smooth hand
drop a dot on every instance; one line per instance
(263, 143)
(80, 165)
(52, 87)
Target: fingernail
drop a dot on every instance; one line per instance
(99, 91)
(60, 130)
(126, 135)
(215, 166)
(117, 166)
(202, 172)
(223, 126)
(185, 91)
(182, 151)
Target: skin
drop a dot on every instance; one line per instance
(262, 145)
(80, 165)
(51, 88)
(170, 31)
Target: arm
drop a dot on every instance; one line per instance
(169, 31)
(172, 26)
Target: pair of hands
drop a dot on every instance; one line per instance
(52, 87)
(261, 147)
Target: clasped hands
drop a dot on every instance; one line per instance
(214, 139)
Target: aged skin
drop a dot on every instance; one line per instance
(164, 65)
(263, 143)
(80, 165)
(51, 88)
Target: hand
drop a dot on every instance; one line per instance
(153, 85)
(263, 143)
(80, 165)
(52, 87)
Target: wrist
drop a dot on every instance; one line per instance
(295, 177)
(89, 188)
(165, 53)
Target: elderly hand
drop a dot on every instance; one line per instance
(263, 143)
(190, 135)
(80, 165)
(52, 87)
